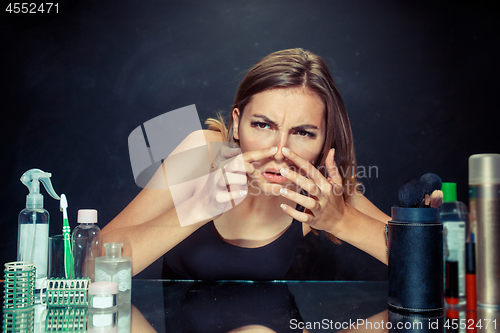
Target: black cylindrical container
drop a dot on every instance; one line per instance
(415, 247)
(415, 323)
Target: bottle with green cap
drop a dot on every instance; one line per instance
(454, 216)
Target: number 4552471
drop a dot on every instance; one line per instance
(463, 324)
(32, 8)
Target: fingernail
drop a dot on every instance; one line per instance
(284, 171)
(283, 191)
(274, 150)
(243, 193)
(283, 206)
(285, 150)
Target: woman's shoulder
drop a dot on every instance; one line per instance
(197, 139)
(213, 136)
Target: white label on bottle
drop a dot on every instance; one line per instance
(101, 302)
(102, 320)
(34, 246)
(124, 279)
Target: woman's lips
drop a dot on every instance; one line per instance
(274, 177)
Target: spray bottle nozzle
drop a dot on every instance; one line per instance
(31, 179)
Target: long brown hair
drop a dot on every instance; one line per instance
(299, 68)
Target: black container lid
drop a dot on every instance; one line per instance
(423, 215)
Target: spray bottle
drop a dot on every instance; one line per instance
(33, 232)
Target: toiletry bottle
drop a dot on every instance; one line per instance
(454, 216)
(33, 231)
(86, 244)
(116, 268)
(484, 201)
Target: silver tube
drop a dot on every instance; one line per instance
(484, 201)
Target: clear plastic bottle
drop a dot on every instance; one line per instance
(454, 216)
(116, 268)
(33, 231)
(86, 244)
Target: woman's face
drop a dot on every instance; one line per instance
(285, 117)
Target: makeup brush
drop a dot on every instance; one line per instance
(432, 183)
(411, 194)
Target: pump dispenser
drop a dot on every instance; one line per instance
(33, 232)
(116, 268)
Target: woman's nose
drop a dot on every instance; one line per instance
(282, 142)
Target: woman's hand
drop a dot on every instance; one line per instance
(225, 187)
(325, 206)
(355, 223)
(214, 192)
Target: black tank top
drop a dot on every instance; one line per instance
(204, 255)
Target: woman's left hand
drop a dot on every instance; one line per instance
(325, 206)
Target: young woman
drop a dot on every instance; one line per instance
(299, 171)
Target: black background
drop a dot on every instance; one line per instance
(419, 79)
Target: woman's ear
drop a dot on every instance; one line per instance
(236, 121)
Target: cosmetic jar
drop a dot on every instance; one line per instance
(103, 295)
(103, 309)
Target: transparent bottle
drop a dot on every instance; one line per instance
(116, 268)
(454, 215)
(33, 226)
(86, 244)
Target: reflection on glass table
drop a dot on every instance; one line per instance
(238, 306)
(258, 306)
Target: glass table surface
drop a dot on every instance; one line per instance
(245, 306)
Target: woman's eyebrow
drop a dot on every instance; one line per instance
(299, 127)
(266, 119)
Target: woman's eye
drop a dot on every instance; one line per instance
(260, 125)
(306, 133)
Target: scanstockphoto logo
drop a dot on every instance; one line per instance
(170, 151)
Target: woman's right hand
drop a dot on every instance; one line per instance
(225, 187)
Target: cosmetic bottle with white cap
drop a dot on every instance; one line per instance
(86, 244)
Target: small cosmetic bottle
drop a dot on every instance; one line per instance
(116, 268)
(103, 295)
(103, 307)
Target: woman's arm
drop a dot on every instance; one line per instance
(363, 231)
(357, 221)
(361, 203)
(149, 226)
